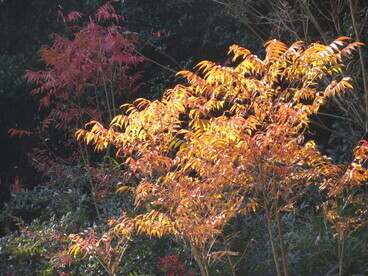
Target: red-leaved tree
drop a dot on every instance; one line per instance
(85, 76)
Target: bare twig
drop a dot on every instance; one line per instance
(362, 61)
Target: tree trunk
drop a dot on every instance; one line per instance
(282, 244)
(203, 266)
(272, 237)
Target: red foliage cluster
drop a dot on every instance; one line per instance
(86, 77)
(103, 179)
(17, 186)
(173, 265)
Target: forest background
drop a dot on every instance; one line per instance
(52, 186)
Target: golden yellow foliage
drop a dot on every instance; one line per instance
(230, 142)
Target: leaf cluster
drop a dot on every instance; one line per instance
(229, 142)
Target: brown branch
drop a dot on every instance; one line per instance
(308, 12)
(362, 61)
(333, 131)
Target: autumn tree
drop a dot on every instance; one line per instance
(346, 207)
(86, 74)
(229, 142)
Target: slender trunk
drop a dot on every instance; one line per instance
(82, 148)
(203, 267)
(84, 154)
(232, 266)
(231, 263)
(275, 191)
(98, 106)
(269, 219)
(341, 245)
(112, 91)
(105, 86)
(272, 237)
(107, 97)
(104, 266)
(282, 244)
